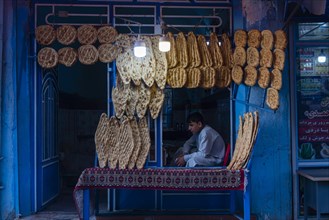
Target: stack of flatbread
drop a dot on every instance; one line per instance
(247, 133)
(87, 53)
(101, 140)
(123, 143)
(261, 62)
(239, 56)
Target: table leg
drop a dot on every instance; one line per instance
(305, 199)
(86, 199)
(246, 202)
(317, 200)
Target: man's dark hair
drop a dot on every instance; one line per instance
(195, 117)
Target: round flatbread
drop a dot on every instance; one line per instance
(88, 54)
(45, 34)
(66, 34)
(108, 52)
(67, 56)
(47, 57)
(107, 34)
(87, 34)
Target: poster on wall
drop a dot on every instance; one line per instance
(313, 106)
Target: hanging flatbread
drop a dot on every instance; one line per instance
(108, 52)
(226, 49)
(143, 100)
(266, 58)
(254, 37)
(124, 64)
(87, 34)
(146, 142)
(171, 55)
(67, 56)
(88, 54)
(161, 65)
(264, 77)
(45, 34)
(101, 138)
(126, 142)
(47, 57)
(280, 40)
(123, 40)
(279, 59)
(194, 59)
(107, 34)
(181, 50)
(206, 59)
(252, 56)
(208, 77)
(113, 135)
(66, 34)
(240, 38)
(267, 39)
(156, 101)
(137, 143)
(223, 77)
(132, 101)
(276, 79)
(272, 98)
(239, 56)
(215, 51)
(193, 79)
(250, 77)
(237, 74)
(176, 77)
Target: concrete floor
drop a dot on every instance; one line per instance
(63, 208)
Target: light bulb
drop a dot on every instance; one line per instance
(322, 57)
(164, 44)
(139, 48)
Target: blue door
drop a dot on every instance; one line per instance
(48, 184)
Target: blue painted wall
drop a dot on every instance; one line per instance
(16, 120)
(271, 175)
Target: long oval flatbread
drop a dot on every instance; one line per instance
(114, 129)
(276, 79)
(182, 53)
(101, 138)
(206, 59)
(161, 65)
(272, 98)
(137, 143)
(146, 142)
(194, 59)
(264, 77)
(156, 101)
(240, 38)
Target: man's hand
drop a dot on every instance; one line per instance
(180, 161)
